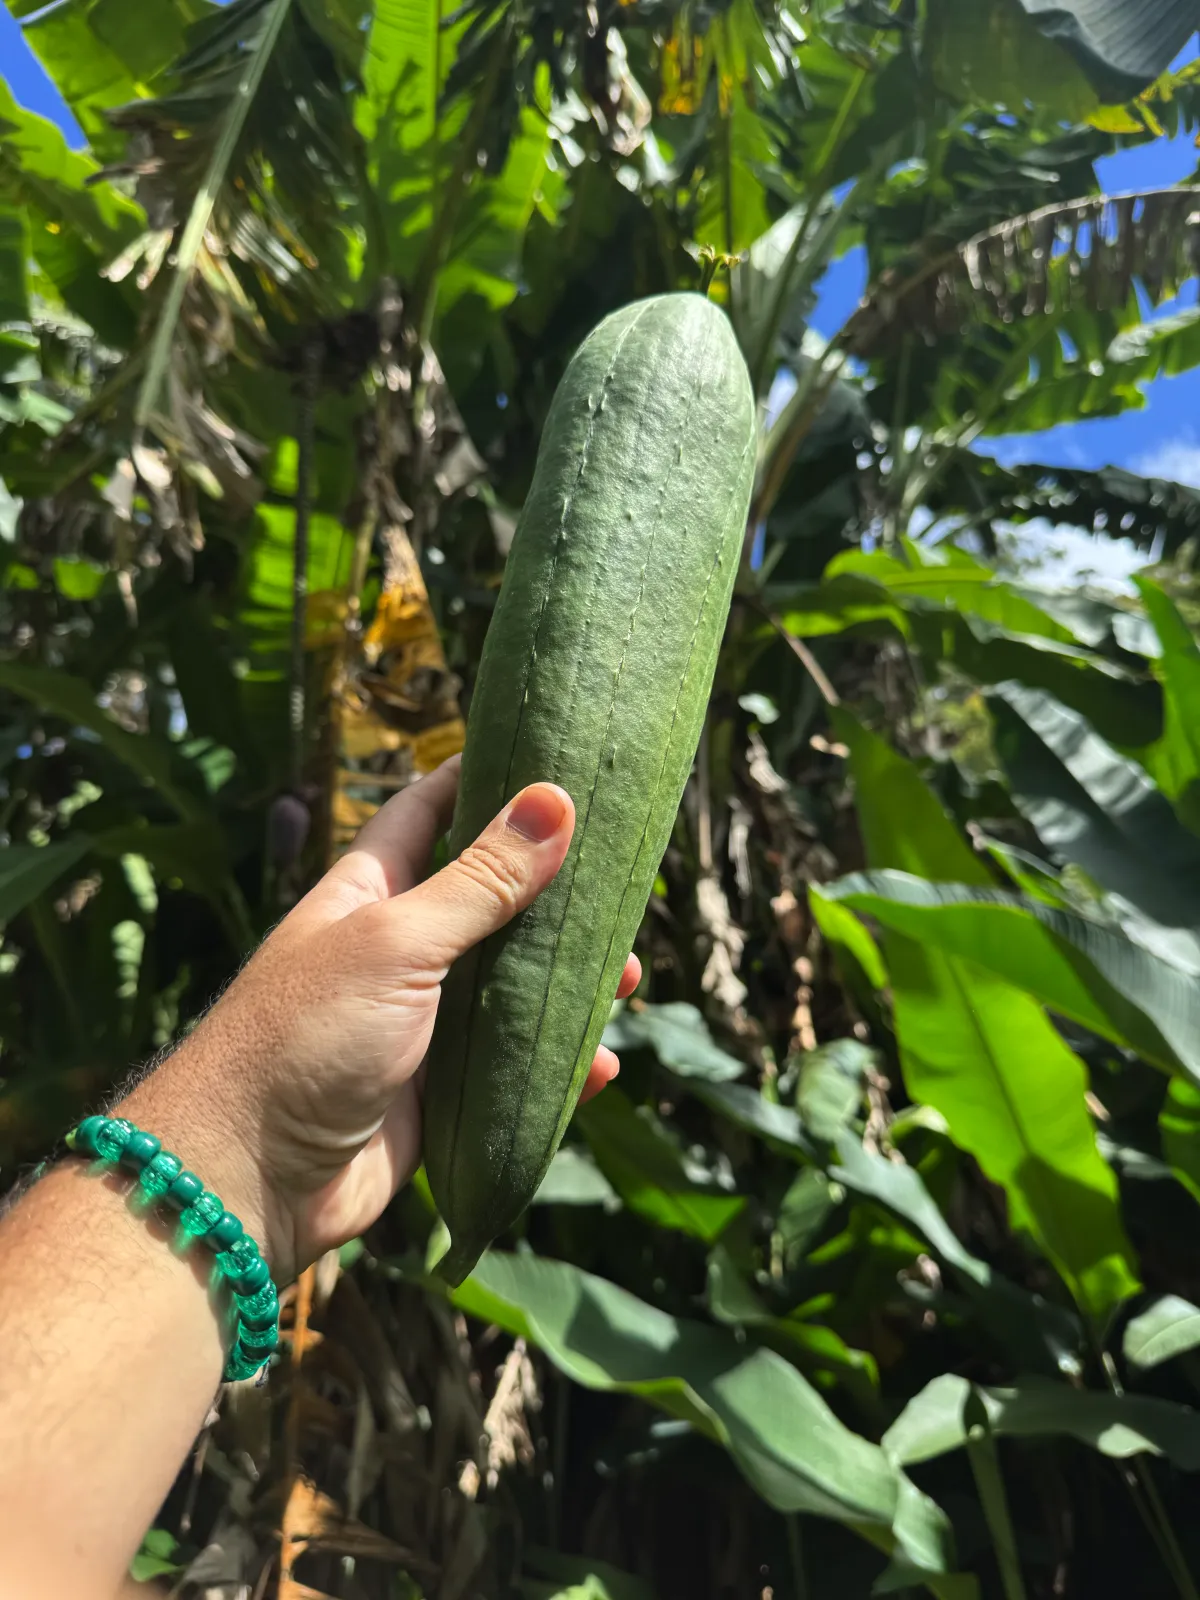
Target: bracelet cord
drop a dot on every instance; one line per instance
(239, 1261)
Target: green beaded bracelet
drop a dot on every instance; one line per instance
(202, 1215)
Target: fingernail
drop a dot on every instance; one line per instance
(537, 813)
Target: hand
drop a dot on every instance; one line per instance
(298, 1096)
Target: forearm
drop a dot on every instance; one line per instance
(112, 1344)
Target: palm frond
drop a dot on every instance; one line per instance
(1091, 253)
(1154, 513)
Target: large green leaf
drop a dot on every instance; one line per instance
(732, 212)
(983, 1052)
(418, 159)
(1094, 807)
(1081, 968)
(794, 1451)
(27, 870)
(651, 1173)
(1119, 1426)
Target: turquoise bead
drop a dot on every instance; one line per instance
(240, 1365)
(111, 1138)
(255, 1275)
(83, 1139)
(240, 1254)
(226, 1231)
(160, 1174)
(259, 1310)
(184, 1191)
(201, 1214)
(258, 1341)
(140, 1149)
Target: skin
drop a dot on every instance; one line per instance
(297, 1099)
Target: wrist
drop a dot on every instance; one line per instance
(202, 1121)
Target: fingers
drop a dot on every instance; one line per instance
(630, 978)
(511, 862)
(602, 1072)
(389, 853)
(605, 1064)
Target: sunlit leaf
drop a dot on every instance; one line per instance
(1165, 1329)
(679, 1037)
(1081, 968)
(1119, 1426)
(790, 1446)
(984, 1054)
(652, 1174)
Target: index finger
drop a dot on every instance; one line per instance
(389, 853)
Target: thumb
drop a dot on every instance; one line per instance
(509, 865)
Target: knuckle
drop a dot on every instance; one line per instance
(490, 868)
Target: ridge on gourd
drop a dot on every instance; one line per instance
(595, 675)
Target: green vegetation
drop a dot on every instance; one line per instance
(877, 1271)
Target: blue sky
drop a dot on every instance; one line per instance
(1163, 438)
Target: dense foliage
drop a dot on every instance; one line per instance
(874, 1273)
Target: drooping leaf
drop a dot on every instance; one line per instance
(1040, 1336)
(1122, 45)
(652, 1174)
(984, 1054)
(679, 1037)
(751, 1111)
(817, 1349)
(1152, 512)
(990, 53)
(454, 241)
(791, 1447)
(1165, 1329)
(89, 76)
(1086, 254)
(830, 1088)
(574, 1179)
(1119, 1426)
(1092, 806)
(1081, 968)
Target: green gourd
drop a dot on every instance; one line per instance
(595, 675)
